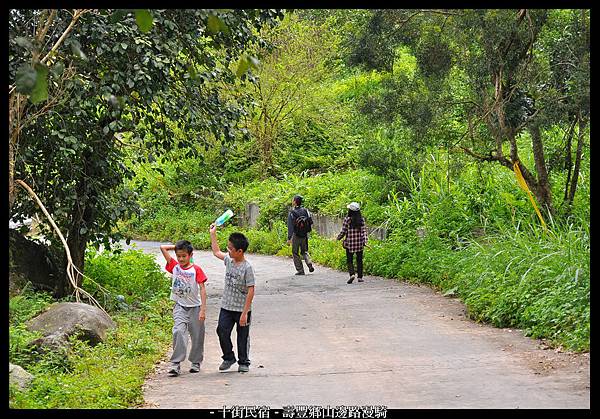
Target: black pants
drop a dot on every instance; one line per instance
(227, 319)
(359, 262)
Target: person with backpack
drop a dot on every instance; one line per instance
(299, 224)
(353, 228)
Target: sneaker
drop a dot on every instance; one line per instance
(243, 368)
(195, 367)
(299, 273)
(350, 280)
(311, 268)
(361, 280)
(225, 365)
(175, 370)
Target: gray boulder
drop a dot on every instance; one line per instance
(18, 376)
(65, 319)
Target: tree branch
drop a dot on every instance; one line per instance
(76, 15)
(501, 159)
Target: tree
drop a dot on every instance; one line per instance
(564, 90)
(290, 72)
(113, 72)
(484, 69)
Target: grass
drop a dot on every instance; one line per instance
(109, 375)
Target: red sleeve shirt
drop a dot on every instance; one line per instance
(200, 275)
(185, 288)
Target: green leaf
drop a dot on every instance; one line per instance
(117, 15)
(24, 42)
(144, 20)
(58, 68)
(25, 79)
(192, 72)
(76, 49)
(242, 66)
(40, 90)
(253, 61)
(215, 25)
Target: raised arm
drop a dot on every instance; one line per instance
(214, 244)
(165, 248)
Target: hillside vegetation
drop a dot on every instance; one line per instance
(464, 133)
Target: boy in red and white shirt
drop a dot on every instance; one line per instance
(189, 312)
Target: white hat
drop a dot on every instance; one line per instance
(354, 206)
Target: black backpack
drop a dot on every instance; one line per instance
(302, 223)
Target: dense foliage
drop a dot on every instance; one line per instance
(116, 79)
(447, 213)
(418, 115)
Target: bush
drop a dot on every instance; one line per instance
(534, 281)
(26, 305)
(132, 274)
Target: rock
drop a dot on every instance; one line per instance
(65, 319)
(57, 342)
(18, 376)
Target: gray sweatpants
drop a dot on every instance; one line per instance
(186, 320)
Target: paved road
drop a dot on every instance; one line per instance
(316, 340)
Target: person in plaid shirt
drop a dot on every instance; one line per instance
(355, 231)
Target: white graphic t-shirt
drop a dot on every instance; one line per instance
(185, 288)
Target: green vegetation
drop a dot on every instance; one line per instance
(483, 245)
(422, 116)
(111, 374)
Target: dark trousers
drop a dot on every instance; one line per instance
(227, 319)
(359, 262)
(300, 252)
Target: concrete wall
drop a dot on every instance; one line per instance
(324, 225)
(250, 216)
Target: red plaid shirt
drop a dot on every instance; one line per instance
(356, 238)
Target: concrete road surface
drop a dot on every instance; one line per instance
(316, 340)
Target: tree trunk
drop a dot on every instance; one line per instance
(568, 159)
(582, 125)
(82, 214)
(15, 114)
(77, 245)
(542, 190)
(11, 176)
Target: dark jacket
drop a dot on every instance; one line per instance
(296, 212)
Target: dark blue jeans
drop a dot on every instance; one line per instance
(227, 319)
(359, 263)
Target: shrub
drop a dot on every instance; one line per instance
(131, 273)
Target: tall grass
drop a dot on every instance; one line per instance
(536, 281)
